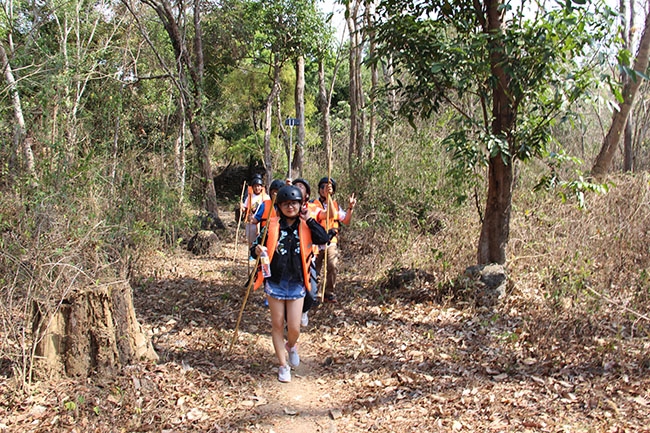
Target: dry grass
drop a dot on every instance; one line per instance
(566, 350)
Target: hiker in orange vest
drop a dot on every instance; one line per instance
(331, 219)
(309, 210)
(256, 195)
(266, 210)
(288, 249)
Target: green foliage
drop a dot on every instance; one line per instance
(284, 29)
(443, 55)
(575, 188)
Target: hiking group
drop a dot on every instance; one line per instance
(295, 239)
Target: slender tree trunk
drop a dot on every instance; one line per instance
(495, 231)
(628, 136)
(191, 90)
(22, 141)
(361, 103)
(287, 141)
(324, 103)
(179, 155)
(374, 77)
(352, 7)
(389, 79)
(115, 150)
(268, 118)
(606, 155)
(628, 148)
(296, 164)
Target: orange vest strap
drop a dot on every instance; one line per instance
(304, 238)
(269, 212)
(334, 214)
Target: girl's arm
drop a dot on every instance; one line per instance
(318, 234)
(256, 242)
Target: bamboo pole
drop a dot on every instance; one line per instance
(241, 198)
(327, 216)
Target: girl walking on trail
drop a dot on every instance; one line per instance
(288, 245)
(255, 197)
(331, 219)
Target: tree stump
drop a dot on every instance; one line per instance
(92, 332)
(205, 242)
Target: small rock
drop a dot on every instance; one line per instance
(335, 413)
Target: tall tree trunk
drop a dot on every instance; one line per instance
(287, 140)
(628, 148)
(610, 143)
(628, 136)
(358, 57)
(324, 105)
(179, 155)
(389, 79)
(191, 90)
(296, 163)
(268, 118)
(495, 231)
(356, 102)
(374, 78)
(22, 141)
(196, 69)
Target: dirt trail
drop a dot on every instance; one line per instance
(191, 306)
(380, 360)
(385, 359)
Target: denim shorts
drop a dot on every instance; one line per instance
(285, 290)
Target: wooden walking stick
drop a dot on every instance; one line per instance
(247, 217)
(241, 198)
(327, 215)
(252, 278)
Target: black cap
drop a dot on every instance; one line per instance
(276, 184)
(304, 182)
(328, 180)
(288, 193)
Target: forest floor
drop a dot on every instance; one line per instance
(383, 359)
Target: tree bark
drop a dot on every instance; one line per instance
(628, 148)
(92, 332)
(268, 118)
(495, 230)
(604, 159)
(22, 141)
(324, 104)
(628, 136)
(374, 78)
(179, 155)
(191, 91)
(355, 151)
(296, 163)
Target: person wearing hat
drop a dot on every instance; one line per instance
(288, 240)
(331, 218)
(309, 210)
(266, 210)
(255, 197)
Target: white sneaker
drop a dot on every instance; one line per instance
(284, 374)
(304, 320)
(294, 358)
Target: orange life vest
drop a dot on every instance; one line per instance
(269, 212)
(304, 239)
(333, 214)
